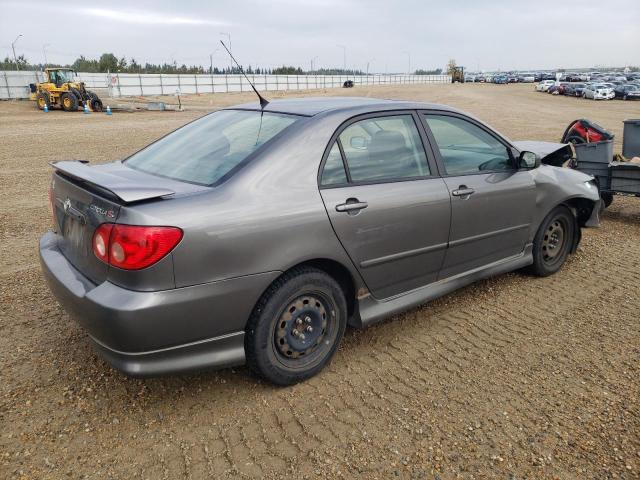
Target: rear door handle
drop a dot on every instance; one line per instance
(351, 205)
(463, 191)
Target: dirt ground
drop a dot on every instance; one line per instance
(514, 377)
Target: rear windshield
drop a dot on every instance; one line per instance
(206, 150)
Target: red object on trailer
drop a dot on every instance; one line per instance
(585, 131)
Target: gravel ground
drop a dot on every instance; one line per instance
(514, 377)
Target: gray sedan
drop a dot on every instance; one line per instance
(257, 235)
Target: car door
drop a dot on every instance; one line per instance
(492, 202)
(388, 207)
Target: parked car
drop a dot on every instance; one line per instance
(627, 92)
(500, 79)
(598, 91)
(574, 89)
(544, 85)
(256, 235)
(558, 88)
(526, 78)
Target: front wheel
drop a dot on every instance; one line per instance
(553, 241)
(69, 102)
(296, 327)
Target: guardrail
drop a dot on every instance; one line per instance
(15, 84)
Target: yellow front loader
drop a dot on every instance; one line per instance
(61, 89)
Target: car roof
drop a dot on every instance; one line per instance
(310, 106)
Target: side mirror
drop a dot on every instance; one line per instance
(528, 160)
(359, 143)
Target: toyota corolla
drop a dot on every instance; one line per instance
(256, 235)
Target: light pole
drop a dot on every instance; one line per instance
(312, 60)
(211, 59)
(344, 56)
(368, 62)
(44, 52)
(13, 47)
(228, 35)
(409, 55)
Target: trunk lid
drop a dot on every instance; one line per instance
(83, 197)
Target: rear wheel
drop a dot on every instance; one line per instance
(42, 100)
(296, 327)
(553, 241)
(69, 102)
(96, 104)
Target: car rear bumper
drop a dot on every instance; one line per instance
(159, 332)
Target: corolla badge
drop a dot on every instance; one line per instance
(102, 211)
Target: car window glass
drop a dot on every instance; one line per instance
(333, 173)
(465, 148)
(207, 149)
(384, 148)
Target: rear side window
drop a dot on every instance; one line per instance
(206, 150)
(384, 148)
(334, 173)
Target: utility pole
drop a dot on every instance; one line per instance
(228, 35)
(44, 52)
(13, 47)
(314, 58)
(344, 57)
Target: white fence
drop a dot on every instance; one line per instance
(14, 84)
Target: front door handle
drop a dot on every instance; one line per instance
(463, 191)
(351, 205)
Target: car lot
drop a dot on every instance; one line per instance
(534, 378)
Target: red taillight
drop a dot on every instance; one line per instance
(132, 247)
(101, 241)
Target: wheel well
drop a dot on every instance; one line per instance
(581, 208)
(340, 274)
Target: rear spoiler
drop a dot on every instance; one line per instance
(126, 190)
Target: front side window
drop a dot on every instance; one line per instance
(384, 148)
(466, 148)
(206, 150)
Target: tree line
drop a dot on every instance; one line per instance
(108, 62)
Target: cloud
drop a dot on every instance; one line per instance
(149, 18)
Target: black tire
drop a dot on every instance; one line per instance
(553, 242)
(78, 95)
(42, 99)
(304, 300)
(607, 199)
(96, 104)
(69, 102)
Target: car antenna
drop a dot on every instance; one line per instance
(263, 101)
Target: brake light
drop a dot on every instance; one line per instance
(133, 247)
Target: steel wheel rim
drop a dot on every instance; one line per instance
(554, 241)
(67, 102)
(302, 326)
(323, 343)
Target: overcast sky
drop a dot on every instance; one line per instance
(489, 34)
